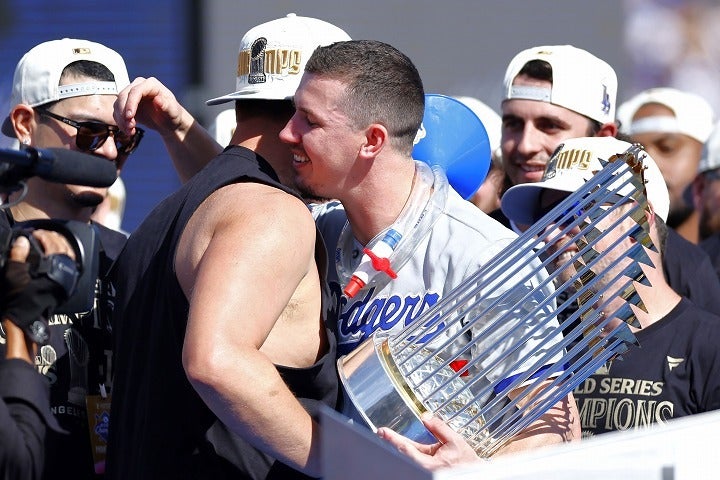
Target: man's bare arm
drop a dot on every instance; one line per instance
(148, 102)
(240, 262)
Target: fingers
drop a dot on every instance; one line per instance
(146, 101)
(401, 442)
(20, 249)
(453, 448)
(52, 242)
(418, 452)
(440, 429)
(126, 106)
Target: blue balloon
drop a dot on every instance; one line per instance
(453, 137)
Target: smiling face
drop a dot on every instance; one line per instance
(322, 138)
(532, 130)
(676, 154)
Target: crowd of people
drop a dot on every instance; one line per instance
(217, 324)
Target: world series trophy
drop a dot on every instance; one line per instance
(500, 331)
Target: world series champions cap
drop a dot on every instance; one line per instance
(581, 82)
(693, 115)
(37, 75)
(520, 202)
(272, 57)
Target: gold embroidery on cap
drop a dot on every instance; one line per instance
(278, 61)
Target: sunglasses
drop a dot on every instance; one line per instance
(92, 135)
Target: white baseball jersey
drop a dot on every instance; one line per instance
(462, 240)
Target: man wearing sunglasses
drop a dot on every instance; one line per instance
(64, 96)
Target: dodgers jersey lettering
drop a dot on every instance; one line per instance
(461, 241)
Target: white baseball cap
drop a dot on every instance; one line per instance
(581, 82)
(520, 202)
(272, 57)
(694, 116)
(710, 159)
(37, 75)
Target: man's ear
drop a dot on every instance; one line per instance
(376, 137)
(609, 129)
(649, 216)
(22, 118)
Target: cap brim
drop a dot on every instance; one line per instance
(520, 202)
(247, 95)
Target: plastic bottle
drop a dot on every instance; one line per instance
(374, 260)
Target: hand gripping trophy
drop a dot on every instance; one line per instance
(503, 347)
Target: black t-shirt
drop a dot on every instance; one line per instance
(690, 272)
(76, 362)
(711, 246)
(160, 426)
(673, 373)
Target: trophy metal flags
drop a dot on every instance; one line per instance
(499, 350)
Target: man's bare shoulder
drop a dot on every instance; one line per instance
(250, 200)
(245, 220)
(253, 209)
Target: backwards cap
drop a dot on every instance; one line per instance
(581, 82)
(37, 75)
(520, 202)
(273, 55)
(694, 116)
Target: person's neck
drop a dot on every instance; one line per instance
(262, 138)
(379, 199)
(690, 227)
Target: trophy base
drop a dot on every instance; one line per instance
(379, 393)
(382, 397)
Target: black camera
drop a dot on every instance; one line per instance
(79, 283)
(61, 166)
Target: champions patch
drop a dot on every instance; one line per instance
(258, 62)
(577, 159)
